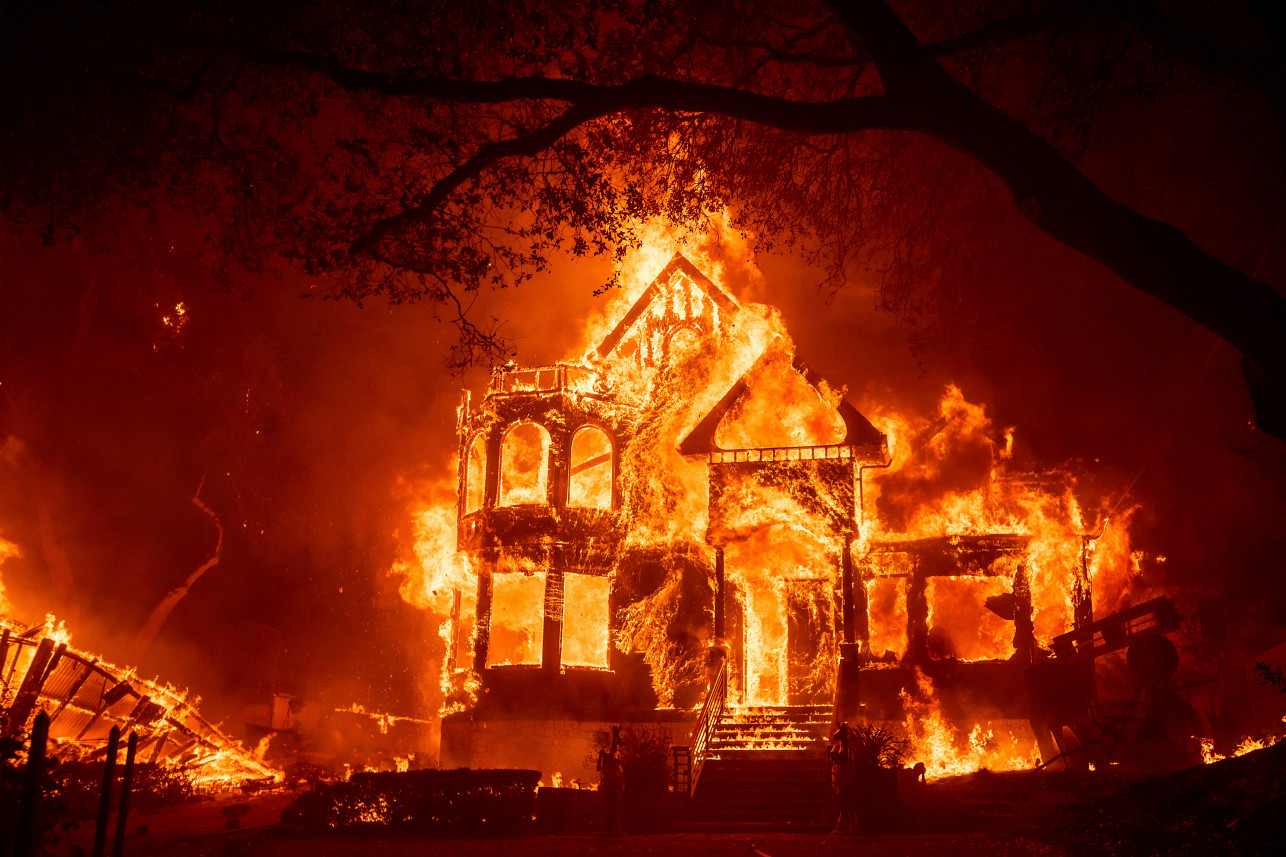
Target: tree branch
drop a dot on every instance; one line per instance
(1055, 196)
(840, 116)
(921, 96)
(531, 143)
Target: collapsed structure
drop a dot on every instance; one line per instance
(687, 507)
(86, 697)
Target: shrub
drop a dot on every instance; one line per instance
(462, 802)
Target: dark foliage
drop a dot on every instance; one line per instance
(645, 762)
(872, 746)
(70, 790)
(11, 778)
(1232, 808)
(1271, 675)
(462, 802)
(77, 786)
(431, 149)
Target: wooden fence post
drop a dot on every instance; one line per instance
(27, 836)
(105, 801)
(127, 780)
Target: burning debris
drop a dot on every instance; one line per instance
(86, 697)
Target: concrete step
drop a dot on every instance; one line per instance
(814, 720)
(767, 730)
(741, 754)
(804, 741)
(769, 800)
(757, 810)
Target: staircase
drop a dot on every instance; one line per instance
(765, 770)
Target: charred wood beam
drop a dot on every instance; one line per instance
(1010, 544)
(492, 478)
(4, 655)
(184, 749)
(551, 654)
(591, 463)
(159, 747)
(27, 835)
(917, 615)
(482, 627)
(861, 608)
(34, 679)
(558, 461)
(1082, 592)
(455, 627)
(13, 665)
(142, 709)
(105, 796)
(1024, 628)
(720, 617)
(846, 584)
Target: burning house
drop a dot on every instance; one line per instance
(688, 518)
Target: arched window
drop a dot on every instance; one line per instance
(681, 343)
(524, 465)
(589, 482)
(475, 474)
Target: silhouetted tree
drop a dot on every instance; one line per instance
(425, 150)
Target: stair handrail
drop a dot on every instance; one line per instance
(707, 720)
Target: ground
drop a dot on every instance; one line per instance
(685, 845)
(198, 830)
(1232, 808)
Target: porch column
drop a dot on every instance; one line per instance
(483, 627)
(720, 623)
(551, 649)
(846, 583)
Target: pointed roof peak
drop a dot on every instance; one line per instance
(865, 440)
(678, 264)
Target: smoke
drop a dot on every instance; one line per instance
(7, 550)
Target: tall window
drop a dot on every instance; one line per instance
(524, 465)
(475, 474)
(517, 618)
(589, 482)
(585, 620)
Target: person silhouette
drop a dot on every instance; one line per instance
(839, 753)
(611, 784)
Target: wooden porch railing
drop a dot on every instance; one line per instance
(711, 711)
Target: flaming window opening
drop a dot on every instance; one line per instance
(475, 479)
(524, 471)
(585, 620)
(590, 478)
(517, 624)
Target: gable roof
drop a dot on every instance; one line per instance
(677, 264)
(866, 439)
